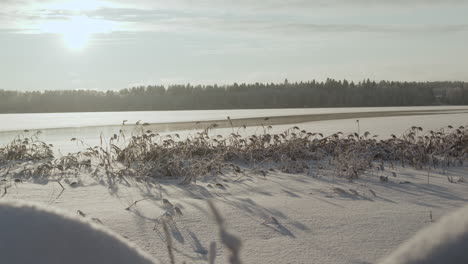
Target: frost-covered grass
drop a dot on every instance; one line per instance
(146, 155)
(26, 148)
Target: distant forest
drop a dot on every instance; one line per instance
(330, 93)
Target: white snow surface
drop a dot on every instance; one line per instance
(444, 242)
(280, 218)
(32, 233)
(18, 122)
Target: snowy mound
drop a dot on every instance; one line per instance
(442, 242)
(30, 233)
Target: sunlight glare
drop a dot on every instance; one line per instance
(76, 41)
(77, 31)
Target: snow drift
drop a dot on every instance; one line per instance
(31, 233)
(443, 242)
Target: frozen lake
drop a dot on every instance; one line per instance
(59, 128)
(16, 122)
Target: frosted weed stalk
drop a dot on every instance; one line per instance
(26, 148)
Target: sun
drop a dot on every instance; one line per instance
(77, 32)
(76, 41)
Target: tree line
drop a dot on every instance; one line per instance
(329, 93)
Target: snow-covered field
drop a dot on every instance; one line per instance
(281, 218)
(18, 122)
(34, 233)
(310, 217)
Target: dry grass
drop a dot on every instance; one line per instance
(26, 148)
(153, 156)
(147, 155)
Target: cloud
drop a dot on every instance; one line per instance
(131, 14)
(242, 16)
(274, 26)
(223, 4)
(267, 25)
(289, 4)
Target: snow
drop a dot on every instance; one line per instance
(19, 122)
(443, 242)
(280, 218)
(381, 126)
(313, 217)
(32, 233)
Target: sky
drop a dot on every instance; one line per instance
(115, 44)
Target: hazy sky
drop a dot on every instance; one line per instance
(115, 44)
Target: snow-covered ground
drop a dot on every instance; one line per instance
(281, 218)
(18, 122)
(33, 233)
(313, 217)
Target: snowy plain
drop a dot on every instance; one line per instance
(18, 122)
(313, 222)
(33, 233)
(280, 217)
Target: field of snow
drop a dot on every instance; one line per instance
(280, 218)
(18, 122)
(51, 236)
(309, 217)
